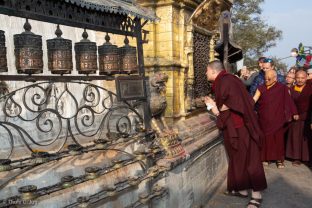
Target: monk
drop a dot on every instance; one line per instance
(299, 131)
(241, 132)
(276, 108)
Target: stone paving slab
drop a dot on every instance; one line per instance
(287, 188)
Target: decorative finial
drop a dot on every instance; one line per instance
(107, 38)
(85, 34)
(27, 26)
(58, 31)
(126, 41)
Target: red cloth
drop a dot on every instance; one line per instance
(242, 144)
(237, 120)
(274, 146)
(299, 131)
(230, 91)
(275, 108)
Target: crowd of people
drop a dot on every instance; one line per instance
(265, 117)
(283, 105)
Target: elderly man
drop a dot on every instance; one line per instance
(276, 108)
(300, 130)
(268, 64)
(241, 132)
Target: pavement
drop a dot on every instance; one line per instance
(290, 187)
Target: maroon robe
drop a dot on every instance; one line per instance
(275, 109)
(241, 132)
(299, 134)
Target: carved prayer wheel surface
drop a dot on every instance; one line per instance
(28, 51)
(109, 61)
(128, 57)
(201, 60)
(60, 59)
(86, 55)
(3, 58)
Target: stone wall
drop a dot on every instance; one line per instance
(190, 179)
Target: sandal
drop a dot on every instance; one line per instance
(255, 202)
(235, 193)
(280, 164)
(296, 163)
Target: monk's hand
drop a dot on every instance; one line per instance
(209, 100)
(296, 117)
(224, 108)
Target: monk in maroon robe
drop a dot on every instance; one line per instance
(299, 135)
(241, 132)
(275, 109)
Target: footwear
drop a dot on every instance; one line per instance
(265, 163)
(280, 164)
(255, 202)
(296, 163)
(235, 193)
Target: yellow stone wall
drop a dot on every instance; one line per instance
(165, 50)
(169, 48)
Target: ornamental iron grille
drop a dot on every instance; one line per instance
(201, 60)
(54, 117)
(46, 115)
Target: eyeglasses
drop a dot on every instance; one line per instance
(268, 60)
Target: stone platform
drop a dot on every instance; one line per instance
(287, 188)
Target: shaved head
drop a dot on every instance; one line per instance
(301, 77)
(301, 72)
(213, 69)
(270, 77)
(216, 65)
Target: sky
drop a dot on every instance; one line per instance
(294, 18)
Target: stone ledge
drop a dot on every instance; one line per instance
(192, 150)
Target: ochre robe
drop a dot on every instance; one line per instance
(275, 109)
(299, 134)
(241, 132)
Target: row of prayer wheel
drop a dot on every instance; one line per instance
(29, 55)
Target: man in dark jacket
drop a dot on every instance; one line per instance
(268, 64)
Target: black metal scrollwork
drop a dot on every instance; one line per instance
(47, 114)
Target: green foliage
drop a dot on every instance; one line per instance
(250, 31)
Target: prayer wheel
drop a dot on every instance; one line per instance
(60, 59)
(128, 57)
(86, 55)
(28, 51)
(3, 57)
(109, 62)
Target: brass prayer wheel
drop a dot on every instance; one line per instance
(28, 51)
(86, 55)
(60, 59)
(3, 57)
(109, 62)
(128, 57)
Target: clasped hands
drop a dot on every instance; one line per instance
(213, 107)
